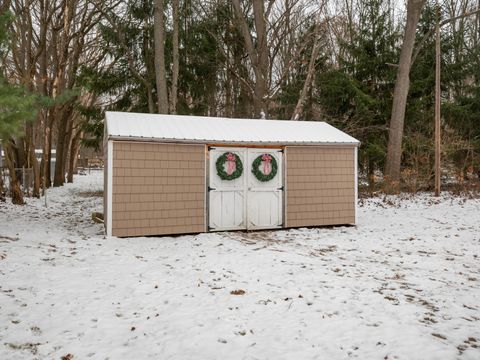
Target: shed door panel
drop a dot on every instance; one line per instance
(227, 210)
(227, 198)
(264, 198)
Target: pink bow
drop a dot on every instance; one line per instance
(267, 164)
(231, 163)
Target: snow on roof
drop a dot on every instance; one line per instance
(137, 126)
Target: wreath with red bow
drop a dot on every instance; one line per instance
(265, 167)
(229, 166)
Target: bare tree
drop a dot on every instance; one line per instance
(395, 136)
(297, 113)
(272, 38)
(160, 72)
(176, 57)
(257, 51)
(51, 40)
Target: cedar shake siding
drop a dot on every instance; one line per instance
(320, 185)
(158, 189)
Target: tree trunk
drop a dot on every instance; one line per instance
(257, 53)
(48, 152)
(32, 159)
(371, 175)
(74, 148)
(2, 186)
(20, 153)
(402, 84)
(228, 95)
(259, 94)
(43, 86)
(297, 113)
(176, 58)
(150, 102)
(261, 75)
(16, 190)
(160, 72)
(59, 175)
(36, 173)
(68, 143)
(150, 70)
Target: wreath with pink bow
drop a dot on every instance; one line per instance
(265, 167)
(229, 166)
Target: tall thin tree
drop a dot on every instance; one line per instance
(160, 72)
(397, 120)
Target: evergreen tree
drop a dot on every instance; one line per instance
(356, 96)
(16, 104)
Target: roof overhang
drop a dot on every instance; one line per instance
(123, 126)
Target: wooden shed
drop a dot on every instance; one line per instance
(167, 174)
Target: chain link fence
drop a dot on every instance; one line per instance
(24, 175)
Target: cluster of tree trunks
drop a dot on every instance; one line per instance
(50, 40)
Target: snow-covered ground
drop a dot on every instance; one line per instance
(403, 284)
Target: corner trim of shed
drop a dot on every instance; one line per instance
(355, 159)
(109, 187)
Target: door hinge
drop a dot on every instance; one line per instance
(211, 228)
(280, 188)
(211, 189)
(282, 151)
(211, 148)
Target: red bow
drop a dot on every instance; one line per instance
(231, 163)
(267, 166)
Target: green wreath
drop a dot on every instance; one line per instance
(220, 165)
(256, 168)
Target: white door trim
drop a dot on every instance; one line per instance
(252, 190)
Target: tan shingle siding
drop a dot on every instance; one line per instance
(158, 189)
(320, 186)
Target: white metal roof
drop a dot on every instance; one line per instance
(137, 126)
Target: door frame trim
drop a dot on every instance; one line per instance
(209, 147)
(207, 182)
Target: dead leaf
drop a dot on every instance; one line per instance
(237, 292)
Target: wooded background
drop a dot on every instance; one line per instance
(367, 67)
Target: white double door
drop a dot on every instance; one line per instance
(245, 202)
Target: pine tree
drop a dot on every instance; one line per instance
(356, 95)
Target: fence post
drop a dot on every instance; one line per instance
(23, 180)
